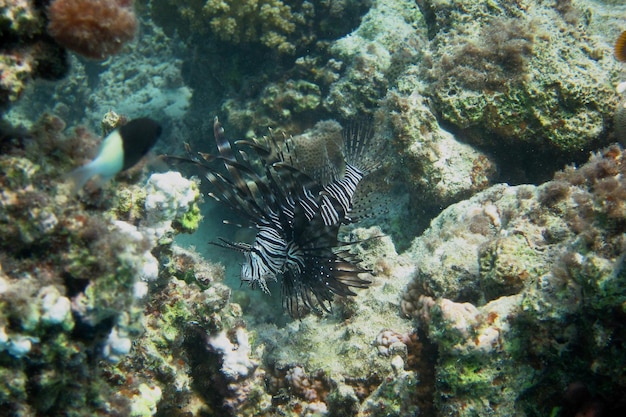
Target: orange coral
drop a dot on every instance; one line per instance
(93, 28)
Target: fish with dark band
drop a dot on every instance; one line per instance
(296, 217)
(120, 150)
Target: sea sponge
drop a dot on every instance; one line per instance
(93, 28)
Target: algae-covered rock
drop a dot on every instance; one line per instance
(390, 37)
(521, 71)
(520, 288)
(436, 168)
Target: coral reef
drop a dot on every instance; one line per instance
(74, 277)
(279, 105)
(521, 288)
(283, 27)
(620, 115)
(269, 22)
(372, 365)
(35, 36)
(93, 28)
(389, 38)
(431, 168)
(139, 83)
(172, 354)
(287, 42)
(507, 301)
(436, 168)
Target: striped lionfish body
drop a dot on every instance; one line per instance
(297, 218)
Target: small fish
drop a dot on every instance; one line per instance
(620, 47)
(120, 150)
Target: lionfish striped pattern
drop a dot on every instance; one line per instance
(296, 217)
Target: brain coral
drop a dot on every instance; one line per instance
(94, 28)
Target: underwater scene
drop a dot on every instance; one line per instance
(372, 208)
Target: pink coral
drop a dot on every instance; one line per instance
(94, 28)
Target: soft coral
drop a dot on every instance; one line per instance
(93, 28)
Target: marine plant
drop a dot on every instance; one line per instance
(297, 216)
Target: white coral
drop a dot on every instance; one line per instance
(236, 362)
(169, 196)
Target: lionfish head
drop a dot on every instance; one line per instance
(265, 259)
(255, 272)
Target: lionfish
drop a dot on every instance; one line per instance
(296, 217)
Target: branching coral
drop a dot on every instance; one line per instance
(94, 28)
